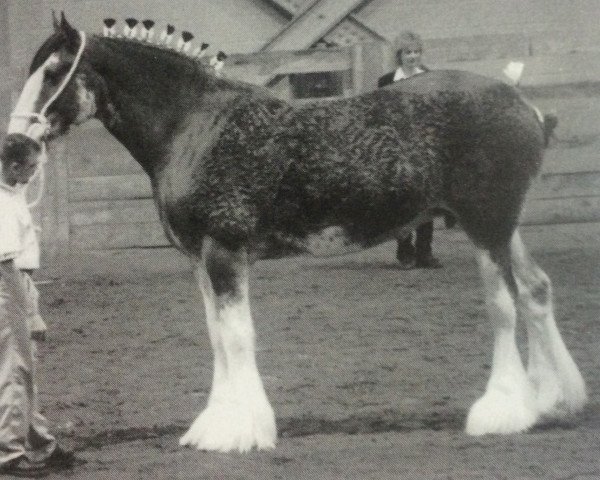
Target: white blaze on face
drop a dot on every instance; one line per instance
(28, 99)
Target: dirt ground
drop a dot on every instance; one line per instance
(370, 369)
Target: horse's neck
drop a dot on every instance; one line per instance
(147, 107)
(142, 127)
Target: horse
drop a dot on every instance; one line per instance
(238, 175)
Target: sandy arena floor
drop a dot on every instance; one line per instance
(370, 369)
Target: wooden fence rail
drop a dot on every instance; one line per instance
(118, 211)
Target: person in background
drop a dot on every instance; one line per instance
(409, 51)
(27, 448)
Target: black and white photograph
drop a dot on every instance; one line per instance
(300, 239)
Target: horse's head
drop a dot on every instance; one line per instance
(136, 88)
(61, 89)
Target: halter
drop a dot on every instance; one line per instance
(42, 120)
(37, 131)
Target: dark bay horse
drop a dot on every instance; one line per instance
(239, 174)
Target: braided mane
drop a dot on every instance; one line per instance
(163, 49)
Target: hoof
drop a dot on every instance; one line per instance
(556, 397)
(231, 427)
(500, 411)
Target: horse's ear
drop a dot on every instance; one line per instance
(68, 31)
(55, 22)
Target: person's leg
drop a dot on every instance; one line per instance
(42, 442)
(405, 252)
(23, 431)
(13, 415)
(13, 433)
(423, 253)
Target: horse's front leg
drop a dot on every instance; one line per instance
(238, 415)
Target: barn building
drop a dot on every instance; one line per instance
(315, 50)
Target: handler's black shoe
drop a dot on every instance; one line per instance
(8, 467)
(58, 460)
(428, 261)
(407, 263)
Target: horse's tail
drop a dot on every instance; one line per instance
(549, 123)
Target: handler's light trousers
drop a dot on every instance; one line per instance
(23, 430)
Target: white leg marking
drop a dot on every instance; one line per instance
(238, 415)
(210, 308)
(508, 404)
(559, 386)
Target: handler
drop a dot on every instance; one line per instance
(409, 50)
(26, 446)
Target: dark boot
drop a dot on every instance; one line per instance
(424, 255)
(405, 253)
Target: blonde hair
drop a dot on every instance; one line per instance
(408, 39)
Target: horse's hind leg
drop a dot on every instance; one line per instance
(238, 415)
(508, 404)
(553, 373)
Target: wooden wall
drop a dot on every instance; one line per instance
(7, 83)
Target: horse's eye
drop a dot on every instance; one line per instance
(54, 75)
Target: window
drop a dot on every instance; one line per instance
(317, 84)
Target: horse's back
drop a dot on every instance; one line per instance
(434, 81)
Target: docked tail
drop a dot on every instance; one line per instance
(548, 125)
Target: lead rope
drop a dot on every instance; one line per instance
(44, 125)
(40, 172)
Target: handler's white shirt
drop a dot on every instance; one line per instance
(18, 236)
(401, 75)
